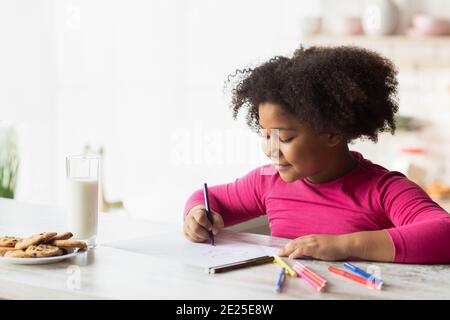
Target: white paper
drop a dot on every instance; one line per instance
(174, 246)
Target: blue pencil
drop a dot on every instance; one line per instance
(362, 273)
(281, 279)
(208, 211)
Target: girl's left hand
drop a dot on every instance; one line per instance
(323, 247)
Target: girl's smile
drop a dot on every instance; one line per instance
(281, 167)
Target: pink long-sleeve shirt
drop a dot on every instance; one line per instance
(369, 197)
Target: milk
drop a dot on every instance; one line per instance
(82, 207)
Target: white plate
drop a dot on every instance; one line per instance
(45, 260)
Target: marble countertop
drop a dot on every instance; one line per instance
(109, 273)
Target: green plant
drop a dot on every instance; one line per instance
(9, 163)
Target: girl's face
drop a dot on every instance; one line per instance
(295, 149)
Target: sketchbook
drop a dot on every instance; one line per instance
(174, 246)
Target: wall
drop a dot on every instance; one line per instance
(27, 87)
(145, 79)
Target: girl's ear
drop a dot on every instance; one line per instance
(334, 139)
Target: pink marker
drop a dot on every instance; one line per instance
(309, 280)
(318, 279)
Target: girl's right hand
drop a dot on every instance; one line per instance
(196, 224)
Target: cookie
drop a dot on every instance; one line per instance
(4, 250)
(43, 250)
(7, 241)
(17, 254)
(34, 240)
(62, 236)
(69, 244)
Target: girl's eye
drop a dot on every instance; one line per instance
(286, 140)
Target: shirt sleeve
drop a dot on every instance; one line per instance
(421, 232)
(237, 201)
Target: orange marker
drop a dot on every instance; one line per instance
(353, 277)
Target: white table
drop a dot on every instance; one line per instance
(109, 273)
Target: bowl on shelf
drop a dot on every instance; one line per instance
(428, 25)
(347, 26)
(310, 25)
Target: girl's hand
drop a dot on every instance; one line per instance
(196, 224)
(323, 247)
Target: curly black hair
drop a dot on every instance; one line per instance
(344, 90)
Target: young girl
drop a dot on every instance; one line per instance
(330, 201)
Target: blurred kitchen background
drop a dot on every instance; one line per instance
(143, 82)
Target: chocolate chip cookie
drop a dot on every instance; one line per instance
(69, 244)
(43, 250)
(34, 240)
(7, 241)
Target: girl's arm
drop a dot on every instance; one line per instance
(365, 245)
(370, 245)
(236, 202)
(421, 232)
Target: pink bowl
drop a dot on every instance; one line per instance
(348, 26)
(428, 25)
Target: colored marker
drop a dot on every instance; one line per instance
(353, 277)
(298, 267)
(311, 282)
(283, 264)
(281, 279)
(208, 211)
(240, 264)
(362, 273)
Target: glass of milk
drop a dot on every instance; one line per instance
(82, 196)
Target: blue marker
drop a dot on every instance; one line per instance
(362, 273)
(281, 279)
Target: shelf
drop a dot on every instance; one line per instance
(405, 51)
(379, 39)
